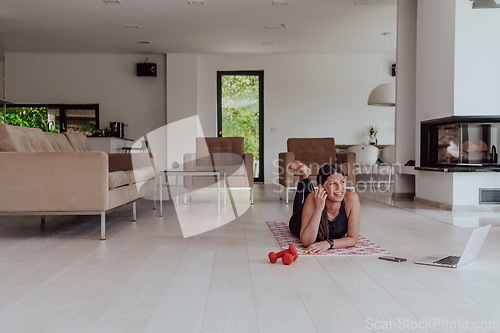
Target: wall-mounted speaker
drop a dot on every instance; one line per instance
(146, 69)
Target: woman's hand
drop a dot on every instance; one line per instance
(320, 198)
(318, 247)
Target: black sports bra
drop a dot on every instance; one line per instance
(338, 227)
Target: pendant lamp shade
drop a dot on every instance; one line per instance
(383, 95)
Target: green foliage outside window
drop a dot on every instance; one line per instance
(240, 110)
(28, 117)
(242, 122)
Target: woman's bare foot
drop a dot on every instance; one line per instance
(295, 165)
(300, 169)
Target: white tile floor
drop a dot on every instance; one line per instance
(457, 218)
(147, 278)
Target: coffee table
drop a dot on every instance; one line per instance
(220, 174)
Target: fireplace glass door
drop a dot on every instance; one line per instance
(467, 143)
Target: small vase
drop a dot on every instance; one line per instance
(373, 141)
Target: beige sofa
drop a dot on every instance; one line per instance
(57, 174)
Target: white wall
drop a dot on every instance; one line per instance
(182, 86)
(466, 187)
(435, 186)
(457, 74)
(477, 83)
(435, 59)
(304, 96)
(107, 79)
(477, 65)
(434, 85)
(405, 92)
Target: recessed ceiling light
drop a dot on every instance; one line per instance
(112, 2)
(144, 41)
(196, 2)
(279, 3)
(131, 26)
(267, 42)
(276, 27)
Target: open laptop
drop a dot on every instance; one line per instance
(470, 253)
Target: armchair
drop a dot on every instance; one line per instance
(313, 152)
(225, 154)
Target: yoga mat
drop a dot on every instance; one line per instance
(284, 237)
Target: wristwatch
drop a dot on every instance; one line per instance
(332, 243)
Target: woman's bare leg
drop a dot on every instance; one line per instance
(300, 169)
(304, 186)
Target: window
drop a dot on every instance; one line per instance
(73, 118)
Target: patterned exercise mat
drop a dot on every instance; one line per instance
(285, 237)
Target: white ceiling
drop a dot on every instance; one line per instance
(218, 26)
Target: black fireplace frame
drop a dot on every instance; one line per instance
(429, 144)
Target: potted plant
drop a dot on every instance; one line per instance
(372, 133)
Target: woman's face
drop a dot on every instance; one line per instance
(335, 187)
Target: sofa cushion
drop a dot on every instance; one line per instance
(126, 161)
(58, 142)
(140, 174)
(22, 139)
(117, 179)
(79, 142)
(38, 140)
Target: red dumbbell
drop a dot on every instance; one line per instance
(292, 251)
(288, 258)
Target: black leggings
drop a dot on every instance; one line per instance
(304, 188)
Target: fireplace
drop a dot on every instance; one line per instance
(460, 143)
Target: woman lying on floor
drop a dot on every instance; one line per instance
(327, 217)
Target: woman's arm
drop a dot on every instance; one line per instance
(311, 216)
(353, 212)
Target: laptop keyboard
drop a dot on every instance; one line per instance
(450, 260)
